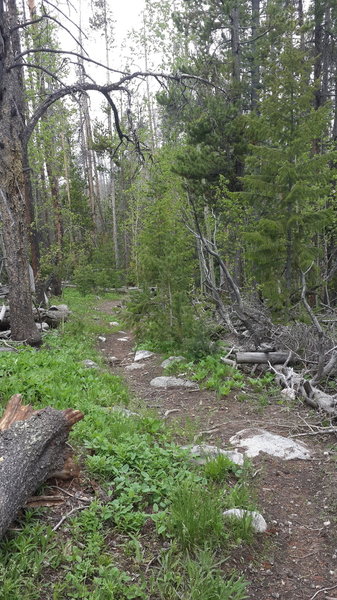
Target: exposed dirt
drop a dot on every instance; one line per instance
(297, 557)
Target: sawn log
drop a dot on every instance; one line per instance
(274, 358)
(32, 448)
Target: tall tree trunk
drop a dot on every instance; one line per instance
(301, 22)
(148, 94)
(318, 47)
(255, 70)
(326, 55)
(58, 224)
(235, 45)
(12, 188)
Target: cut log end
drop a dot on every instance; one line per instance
(32, 448)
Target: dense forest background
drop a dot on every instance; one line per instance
(230, 161)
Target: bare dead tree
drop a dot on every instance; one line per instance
(16, 131)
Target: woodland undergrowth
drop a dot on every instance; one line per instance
(156, 530)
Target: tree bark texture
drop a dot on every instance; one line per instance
(12, 184)
(273, 358)
(32, 448)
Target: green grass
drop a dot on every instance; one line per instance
(149, 483)
(197, 578)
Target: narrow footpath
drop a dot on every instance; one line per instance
(297, 557)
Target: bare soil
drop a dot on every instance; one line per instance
(297, 557)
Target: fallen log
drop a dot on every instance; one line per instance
(313, 396)
(53, 316)
(32, 448)
(274, 358)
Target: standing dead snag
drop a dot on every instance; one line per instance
(32, 448)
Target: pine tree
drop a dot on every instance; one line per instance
(286, 182)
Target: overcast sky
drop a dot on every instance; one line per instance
(126, 13)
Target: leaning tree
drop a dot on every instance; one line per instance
(15, 131)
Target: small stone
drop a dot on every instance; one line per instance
(113, 360)
(101, 338)
(172, 359)
(142, 355)
(90, 364)
(125, 412)
(258, 522)
(134, 367)
(123, 339)
(114, 324)
(172, 382)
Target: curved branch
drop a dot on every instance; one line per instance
(34, 66)
(103, 89)
(121, 135)
(177, 77)
(68, 52)
(46, 16)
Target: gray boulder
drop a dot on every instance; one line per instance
(255, 440)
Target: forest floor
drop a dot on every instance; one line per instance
(297, 557)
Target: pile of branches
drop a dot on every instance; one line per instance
(310, 345)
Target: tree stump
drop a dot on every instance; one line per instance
(32, 448)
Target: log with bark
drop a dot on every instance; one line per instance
(32, 448)
(54, 316)
(274, 358)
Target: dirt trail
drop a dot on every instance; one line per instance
(297, 557)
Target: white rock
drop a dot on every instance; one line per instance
(134, 367)
(258, 522)
(123, 339)
(254, 441)
(142, 354)
(204, 452)
(172, 359)
(89, 364)
(42, 326)
(114, 323)
(113, 360)
(125, 412)
(102, 338)
(172, 382)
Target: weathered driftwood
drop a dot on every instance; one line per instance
(53, 316)
(32, 448)
(288, 379)
(273, 358)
